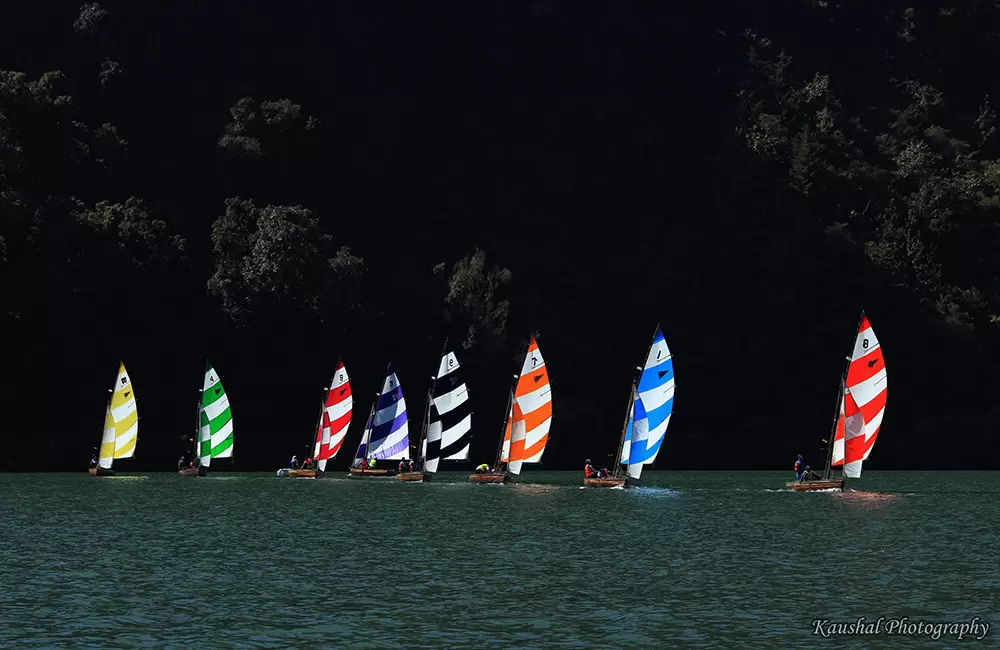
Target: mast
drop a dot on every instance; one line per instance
(503, 429)
(631, 401)
(828, 468)
(427, 411)
(842, 392)
(107, 411)
(510, 406)
(197, 430)
(319, 423)
(621, 441)
(368, 425)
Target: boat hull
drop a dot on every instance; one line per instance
(487, 478)
(604, 482)
(298, 473)
(193, 471)
(357, 471)
(416, 477)
(100, 471)
(814, 486)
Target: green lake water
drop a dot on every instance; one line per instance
(691, 559)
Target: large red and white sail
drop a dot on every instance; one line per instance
(862, 405)
(336, 417)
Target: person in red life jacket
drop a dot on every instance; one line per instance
(413, 466)
(799, 467)
(308, 463)
(589, 470)
(364, 463)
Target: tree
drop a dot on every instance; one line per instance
(472, 299)
(275, 258)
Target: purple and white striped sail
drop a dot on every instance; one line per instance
(389, 436)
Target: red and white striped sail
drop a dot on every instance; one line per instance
(863, 403)
(336, 417)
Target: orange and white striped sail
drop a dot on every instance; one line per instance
(863, 403)
(531, 415)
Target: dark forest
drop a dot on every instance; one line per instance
(274, 186)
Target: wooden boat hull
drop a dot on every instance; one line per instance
(302, 473)
(357, 471)
(100, 471)
(411, 476)
(487, 478)
(193, 471)
(604, 482)
(813, 486)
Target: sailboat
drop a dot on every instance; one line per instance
(215, 437)
(529, 418)
(121, 425)
(331, 426)
(386, 435)
(651, 402)
(447, 429)
(861, 403)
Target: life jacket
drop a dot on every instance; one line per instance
(798, 465)
(588, 470)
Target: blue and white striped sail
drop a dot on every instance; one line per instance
(639, 438)
(656, 391)
(389, 436)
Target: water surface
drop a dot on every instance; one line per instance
(695, 559)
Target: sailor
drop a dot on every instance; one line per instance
(413, 466)
(799, 466)
(181, 463)
(308, 463)
(364, 463)
(482, 468)
(371, 464)
(589, 470)
(294, 464)
(402, 466)
(93, 457)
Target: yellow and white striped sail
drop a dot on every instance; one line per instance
(124, 415)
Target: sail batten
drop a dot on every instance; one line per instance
(449, 427)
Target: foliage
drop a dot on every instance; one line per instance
(276, 257)
(472, 299)
(909, 180)
(253, 126)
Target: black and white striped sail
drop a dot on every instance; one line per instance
(449, 430)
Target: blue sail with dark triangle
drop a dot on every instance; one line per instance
(656, 390)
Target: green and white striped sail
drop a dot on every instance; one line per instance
(216, 435)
